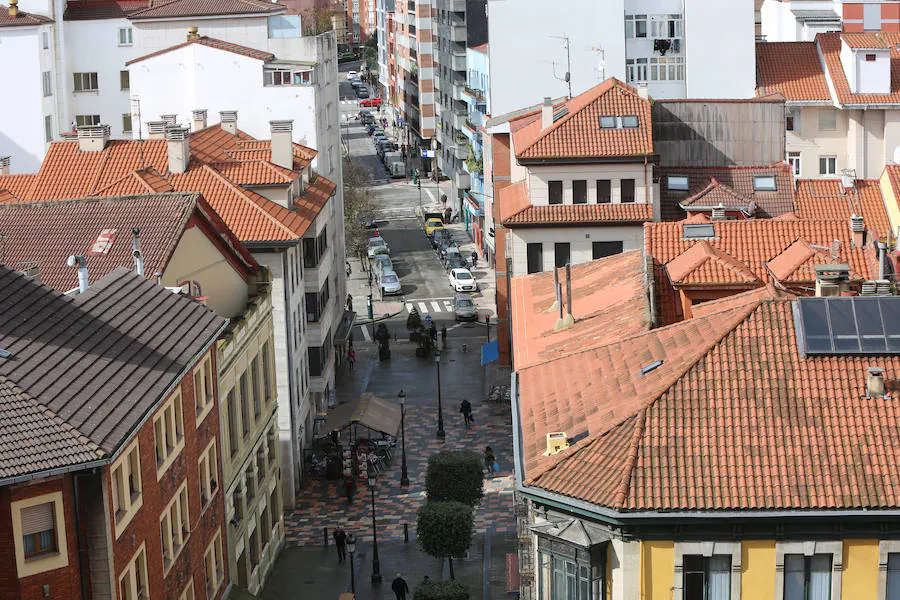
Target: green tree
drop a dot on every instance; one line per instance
(441, 590)
(455, 476)
(444, 529)
(414, 320)
(359, 205)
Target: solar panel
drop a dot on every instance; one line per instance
(698, 231)
(850, 325)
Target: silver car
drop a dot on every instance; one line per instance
(464, 308)
(377, 246)
(390, 284)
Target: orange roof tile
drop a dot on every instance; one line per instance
(512, 199)
(578, 134)
(255, 172)
(830, 47)
(23, 19)
(826, 199)
(792, 69)
(16, 186)
(210, 43)
(704, 264)
(866, 41)
(576, 214)
(609, 301)
(715, 194)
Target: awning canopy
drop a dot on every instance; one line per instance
(368, 411)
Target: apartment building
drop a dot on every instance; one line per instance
(297, 236)
(415, 45)
(801, 20)
(115, 499)
(477, 206)
(384, 27)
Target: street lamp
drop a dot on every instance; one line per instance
(440, 430)
(351, 548)
(404, 476)
(376, 564)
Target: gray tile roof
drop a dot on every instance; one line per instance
(103, 360)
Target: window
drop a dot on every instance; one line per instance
(579, 191)
(792, 120)
(208, 467)
(870, 58)
(629, 121)
(626, 187)
(272, 445)
(124, 80)
(254, 386)
(126, 36)
(872, 17)
(85, 82)
(677, 182)
(174, 527)
(604, 191)
(707, 578)
(260, 465)
(561, 254)
(125, 476)
(245, 405)
(535, 252)
(87, 120)
(567, 578)
(48, 129)
(764, 183)
(265, 526)
(635, 26)
(276, 78)
(233, 438)
(827, 165)
(214, 566)
(275, 506)
(267, 382)
(254, 549)
(673, 26)
(793, 159)
(555, 192)
(168, 427)
(302, 77)
(203, 388)
(250, 482)
(45, 40)
(636, 70)
(47, 83)
(893, 576)
(38, 524)
(607, 122)
(602, 249)
(667, 68)
(237, 505)
(126, 122)
(188, 593)
(133, 580)
(807, 577)
(827, 119)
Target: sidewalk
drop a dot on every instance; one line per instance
(358, 287)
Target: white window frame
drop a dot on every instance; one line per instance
(48, 128)
(885, 547)
(204, 393)
(674, 182)
(175, 527)
(137, 589)
(827, 158)
(758, 179)
(793, 159)
(636, 70)
(128, 38)
(707, 549)
(45, 40)
(87, 120)
(829, 114)
(794, 114)
(835, 549)
(208, 469)
(42, 562)
(168, 432)
(124, 504)
(130, 123)
(47, 83)
(188, 593)
(90, 77)
(666, 68)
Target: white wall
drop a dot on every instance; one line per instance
(812, 142)
(580, 241)
(720, 47)
(780, 25)
(539, 176)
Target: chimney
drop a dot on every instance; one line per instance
(178, 142)
(569, 318)
(136, 251)
(718, 213)
(875, 382)
(4, 165)
(547, 113)
(282, 144)
(869, 288)
(557, 441)
(199, 116)
(76, 260)
(157, 130)
(13, 8)
(92, 138)
(643, 91)
(192, 34)
(228, 119)
(835, 249)
(832, 280)
(858, 231)
(169, 119)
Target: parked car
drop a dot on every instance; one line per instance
(455, 261)
(351, 75)
(370, 102)
(464, 308)
(367, 119)
(362, 92)
(382, 262)
(431, 225)
(377, 243)
(390, 284)
(440, 236)
(461, 280)
(355, 82)
(452, 253)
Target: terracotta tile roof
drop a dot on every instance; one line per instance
(715, 194)
(512, 199)
(825, 199)
(70, 351)
(720, 430)
(702, 263)
(610, 301)
(16, 186)
(211, 43)
(578, 134)
(830, 47)
(866, 41)
(213, 143)
(577, 214)
(84, 10)
(792, 69)
(208, 8)
(736, 179)
(483, 48)
(255, 172)
(23, 19)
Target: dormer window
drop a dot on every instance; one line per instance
(607, 122)
(677, 182)
(629, 121)
(870, 58)
(764, 183)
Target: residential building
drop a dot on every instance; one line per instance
(477, 206)
(415, 45)
(266, 192)
(677, 48)
(799, 20)
(386, 49)
(108, 485)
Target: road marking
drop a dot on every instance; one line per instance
(423, 308)
(437, 307)
(365, 331)
(447, 306)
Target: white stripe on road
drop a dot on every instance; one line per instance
(447, 306)
(423, 308)
(437, 307)
(365, 332)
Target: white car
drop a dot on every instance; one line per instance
(390, 284)
(377, 245)
(461, 280)
(351, 75)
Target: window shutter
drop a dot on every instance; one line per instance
(36, 519)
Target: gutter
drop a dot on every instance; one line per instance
(52, 472)
(263, 245)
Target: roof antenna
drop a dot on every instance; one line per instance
(568, 76)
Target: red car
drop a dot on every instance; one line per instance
(370, 102)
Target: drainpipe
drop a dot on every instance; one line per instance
(78, 538)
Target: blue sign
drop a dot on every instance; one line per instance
(490, 352)
(428, 318)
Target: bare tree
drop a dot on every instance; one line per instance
(359, 207)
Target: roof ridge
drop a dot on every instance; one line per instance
(628, 471)
(98, 173)
(251, 201)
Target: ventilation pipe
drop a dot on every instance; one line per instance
(136, 251)
(169, 119)
(546, 113)
(858, 230)
(569, 318)
(13, 8)
(282, 144)
(199, 118)
(80, 262)
(875, 382)
(157, 130)
(228, 119)
(718, 213)
(4, 165)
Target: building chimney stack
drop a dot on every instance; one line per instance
(282, 144)
(169, 119)
(858, 231)
(228, 119)
(92, 138)
(13, 8)
(547, 113)
(643, 91)
(569, 319)
(157, 130)
(80, 262)
(4, 165)
(718, 213)
(199, 115)
(136, 251)
(178, 142)
(875, 382)
(192, 34)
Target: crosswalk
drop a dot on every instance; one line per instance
(430, 306)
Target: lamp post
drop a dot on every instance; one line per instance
(440, 430)
(376, 564)
(404, 476)
(351, 548)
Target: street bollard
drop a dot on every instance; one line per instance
(325, 532)
(405, 533)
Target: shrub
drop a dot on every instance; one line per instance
(455, 476)
(444, 529)
(441, 590)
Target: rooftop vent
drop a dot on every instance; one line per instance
(193, 34)
(868, 288)
(228, 119)
(698, 231)
(13, 8)
(92, 137)
(718, 213)
(858, 230)
(169, 119)
(832, 279)
(157, 130)
(557, 441)
(199, 118)
(652, 367)
(875, 382)
(4, 165)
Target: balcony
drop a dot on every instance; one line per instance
(461, 151)
(458, 61)
(462, 180)
(457, 33)
(411, 6)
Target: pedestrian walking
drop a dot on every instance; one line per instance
(400, 588)
(351, 358)
(350, 302)
(340, 542)
(489, 459)
(474, 259)
(447, 213)
(465, 407)
(432, 333)
(349, 269)
(444, 337)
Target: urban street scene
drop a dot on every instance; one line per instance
(450, 300)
